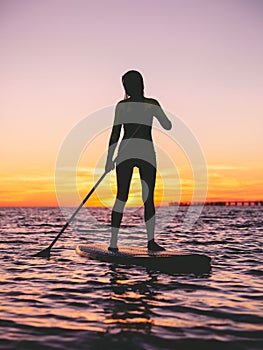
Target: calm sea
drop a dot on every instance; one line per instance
(70, 302)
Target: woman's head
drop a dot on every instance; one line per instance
(133, 83)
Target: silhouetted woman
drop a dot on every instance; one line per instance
(135, 114)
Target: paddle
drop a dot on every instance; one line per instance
(45, 253)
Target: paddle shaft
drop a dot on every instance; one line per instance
(78, 209)
(46, 252)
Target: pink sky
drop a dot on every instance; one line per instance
(62, 59)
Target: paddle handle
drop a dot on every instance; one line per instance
(79, 207)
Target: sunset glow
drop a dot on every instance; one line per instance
(203, 65)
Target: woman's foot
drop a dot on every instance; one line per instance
(113, 250)
(154, 247)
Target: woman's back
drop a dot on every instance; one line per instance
(136, 116)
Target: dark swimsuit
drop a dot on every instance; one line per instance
(131, 155)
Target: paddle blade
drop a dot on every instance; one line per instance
(45, 253)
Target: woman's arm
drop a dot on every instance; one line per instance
(161, 116)
(114, 138)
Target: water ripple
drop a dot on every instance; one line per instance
(71, 302)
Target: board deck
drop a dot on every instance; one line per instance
(167, 261)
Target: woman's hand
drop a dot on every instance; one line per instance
(109, 165)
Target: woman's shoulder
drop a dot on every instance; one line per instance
(145, 99)
(152, 101)
(120, 102)
(149, 100)
(120, 105)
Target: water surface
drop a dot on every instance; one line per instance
(70, 302)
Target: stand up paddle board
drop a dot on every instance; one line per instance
(166, 261)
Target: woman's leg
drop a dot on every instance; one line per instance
(124, 174)
(148, 178)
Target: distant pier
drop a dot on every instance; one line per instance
(221, 203)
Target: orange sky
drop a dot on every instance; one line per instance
(207, 74)
(226, 181)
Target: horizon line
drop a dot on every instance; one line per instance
(229, 202)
